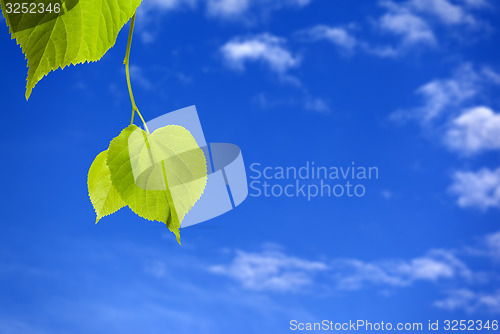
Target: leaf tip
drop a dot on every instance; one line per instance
(177, 236)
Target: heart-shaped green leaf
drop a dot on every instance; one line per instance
(160, 176)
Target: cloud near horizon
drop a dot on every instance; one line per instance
(274, 271)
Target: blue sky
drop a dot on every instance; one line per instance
(408, 86)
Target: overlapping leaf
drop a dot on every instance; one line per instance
(160, 176)
(102, 193)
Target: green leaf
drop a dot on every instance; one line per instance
(102, 193)
(160, 176)
(83, 31)
(151, 205)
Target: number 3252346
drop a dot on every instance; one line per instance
(470, 325)
(32, 8)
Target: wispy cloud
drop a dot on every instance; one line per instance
(235, 10)
(272, 52)
(443, 10)
(416, 23)
(167, 5)
(338, 36)
(437, 12)
(224, 9)
(445, 98)
(470, 301)
(150, 18)
(304, 100)
(441, 95)
(436, 265)
(411, 28)
(238, 11)
(489, 247)
(413, 24)
(276, 271)
(227, 8)
(480, 189)
(270, 270)
(476, 3)
(265, 48)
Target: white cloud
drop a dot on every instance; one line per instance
(491, 75)
(471, 301)
(150, 16)
(242, 11)
(476, 130)
(283, 3)
(235, 9)
(344, 40)
(439, 94)
(168, 5)
(264, 48)
(309, 103)
(227, 8)
(336, 35)
(355, 274)
(444, 10)
(298, 3)
(437, 264)
(410, 27)
(273, 270)
(415, 22)
(489, 247)
(476, 3)
(270, 270)
(479, 189)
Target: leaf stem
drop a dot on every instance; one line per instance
(126, 62)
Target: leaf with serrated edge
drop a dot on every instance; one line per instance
(160, 175)
(102, 193)
(82, 32)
